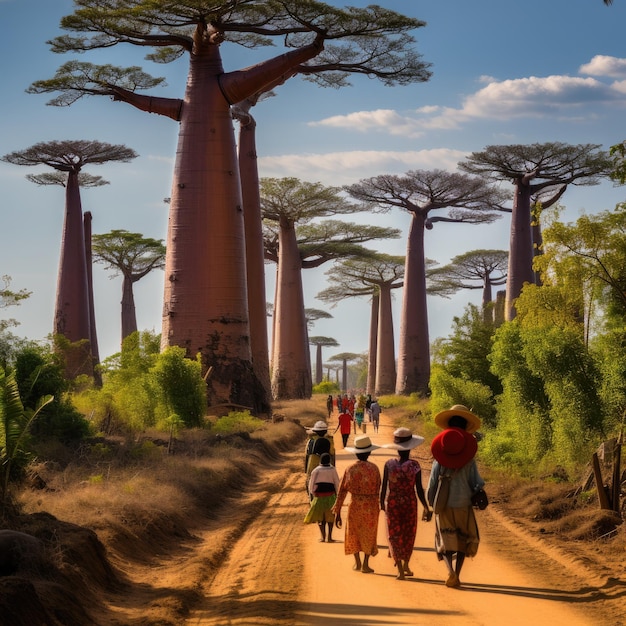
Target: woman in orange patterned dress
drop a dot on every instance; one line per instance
(362, 481)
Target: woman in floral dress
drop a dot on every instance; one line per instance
(402, 479)
(362, 481)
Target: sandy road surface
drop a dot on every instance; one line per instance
(278, 573)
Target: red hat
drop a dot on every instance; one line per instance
(454, 447)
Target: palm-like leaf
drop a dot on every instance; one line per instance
(15, 423)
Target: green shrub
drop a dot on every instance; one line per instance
(237, 422)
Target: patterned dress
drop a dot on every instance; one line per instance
(401, 507)
(362, 481)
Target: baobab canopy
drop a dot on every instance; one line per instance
(205, 307)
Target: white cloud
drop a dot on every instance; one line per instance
(380, 120)
(602, 65)
(342, 168)
(562, 97)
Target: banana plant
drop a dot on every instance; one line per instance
(15, 422)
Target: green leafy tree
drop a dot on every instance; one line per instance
(133, 256)
(8, 298)
(180, 385)
(205, 308)
(464, 353)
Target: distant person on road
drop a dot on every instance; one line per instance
(374, 413)
(454, 449)
(344, 426)
(323, 487)
(329, 406)
(402, 480)
(362, 481)
(319, 442)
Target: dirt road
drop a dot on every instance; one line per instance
(278, 573)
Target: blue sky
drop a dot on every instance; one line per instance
(503, 72)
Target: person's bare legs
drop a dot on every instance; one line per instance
(357, 562)
(322, 528)
(400, 566)
(453, 579)
(366, 569)
(460, 558)
(407, 569)
(330, 532)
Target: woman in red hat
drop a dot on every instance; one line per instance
(454, 449)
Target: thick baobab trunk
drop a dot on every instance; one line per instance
(385, 358)
(205, 308)
(255, 261)
(414, 347)
(129, 316)
(319, 370)
(373, 345)
(520, 270)
(206, 300)
(291, 367)
(72, 315)
(93, 335)
(486, 301)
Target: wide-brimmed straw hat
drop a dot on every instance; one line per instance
(473, 421)
(404, 439)
(318, 427)
(454, 447)
(361, 444)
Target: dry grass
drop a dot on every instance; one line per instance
(113, 501)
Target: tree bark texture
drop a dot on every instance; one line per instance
(72, 313)
(255, 261)
(413, 348)
(373, 342)
(385, 358)
(93, 335)
(520, 248)
(291, 367)
(205, 306)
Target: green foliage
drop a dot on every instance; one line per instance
(180, 387)
(144, 388)
(237, 422)
(15, 422)
(326, 387)
(464, 354)
(38, 373)
(448, 389)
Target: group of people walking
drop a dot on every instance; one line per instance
(397, 491)
(352, 413)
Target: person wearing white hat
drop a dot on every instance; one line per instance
(319, 442)
(362, 481)
(402, 480)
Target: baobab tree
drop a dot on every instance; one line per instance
(344, 358)
(133, 256)
(72, 315)
(477, 269)
(375, 277)
(534, 169)
(469, 200)
(295, 243)
(319, 342)
(205, 300)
